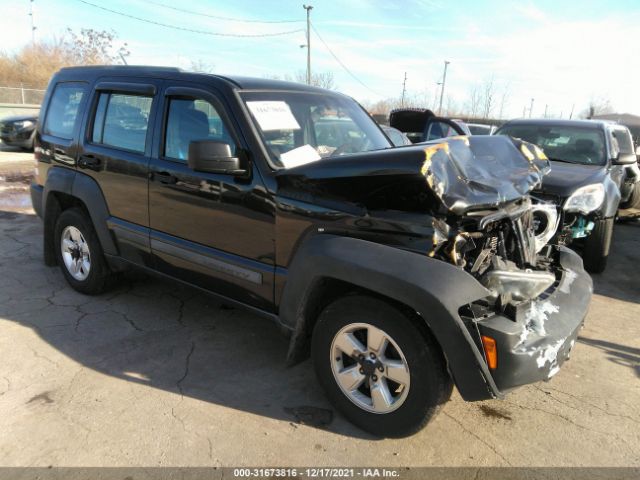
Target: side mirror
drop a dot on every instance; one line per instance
(213, 157)
(624, 159)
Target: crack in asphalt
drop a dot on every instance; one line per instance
(6, 379)
(569, 420)
(43, 357)
(130, 322)
(483, 441)
(583, 401)
(186, 368)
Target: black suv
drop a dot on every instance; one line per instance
(400, 271)
(593, 173)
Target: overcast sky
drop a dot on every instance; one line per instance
(560, 53)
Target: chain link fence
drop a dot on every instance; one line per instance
(21, 95)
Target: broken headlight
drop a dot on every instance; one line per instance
(516, 285)
(585, 199)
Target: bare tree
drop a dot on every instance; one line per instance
(488, 97)
(91, 47)
(318, 79)
(597, 106)
(34, 64)
(472, 106)
(504, 100)
(200, 66)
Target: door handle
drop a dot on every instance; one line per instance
(165, 177)
(90, 162)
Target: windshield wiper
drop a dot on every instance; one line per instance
(561, 160)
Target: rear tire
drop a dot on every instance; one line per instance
(410, 356)
(79, 253)
(597, 245)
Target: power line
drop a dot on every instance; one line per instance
(217, 17)
(192, 30)
(342, 64)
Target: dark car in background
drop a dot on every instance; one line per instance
(628, 153)
(422, 125)
(19, 130)
(589, 179)
(481, 129)
(396, 136)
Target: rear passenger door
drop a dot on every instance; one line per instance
(116, 150)
(214, 230)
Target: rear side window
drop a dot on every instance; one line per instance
(63, 110)
(121, 121)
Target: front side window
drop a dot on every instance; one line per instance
(191, 119)
(569, 144)
(121, 121)
(300, 127)
(63, 110)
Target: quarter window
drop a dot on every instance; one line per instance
(189, 120)
(63, 110)
(121, 121)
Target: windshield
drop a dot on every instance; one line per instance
(563, 143)
(299, 128)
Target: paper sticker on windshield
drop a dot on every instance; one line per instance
(273, 116)
(299, 156)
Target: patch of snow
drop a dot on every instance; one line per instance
(570, 276)
(550, 355)
(538, 314)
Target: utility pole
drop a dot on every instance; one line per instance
(572, 107)
(308, 8)
(545, 110)
(444, 80)
(531, 107)
(404, 89)
(33, 27)
(524, 111)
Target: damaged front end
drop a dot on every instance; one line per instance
(464, 201)
(491, 228)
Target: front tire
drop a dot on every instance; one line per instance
(634, 198)
(79, 253)
(379, 369)
(597, 245)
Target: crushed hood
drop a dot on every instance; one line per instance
(462, 172)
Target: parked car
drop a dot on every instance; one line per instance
(589, 178)
(400, 271)
(627, 154)
(19, 130)
(422, 125)
(398, 138)
(481, 129)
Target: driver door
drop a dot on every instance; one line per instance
(213, 230)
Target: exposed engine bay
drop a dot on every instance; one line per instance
(503, 245)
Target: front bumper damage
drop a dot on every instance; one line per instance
(532, 346)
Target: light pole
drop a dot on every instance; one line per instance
(33, 26)
(444, 80)
(404, 89)
(531, 107)
(308, 8)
